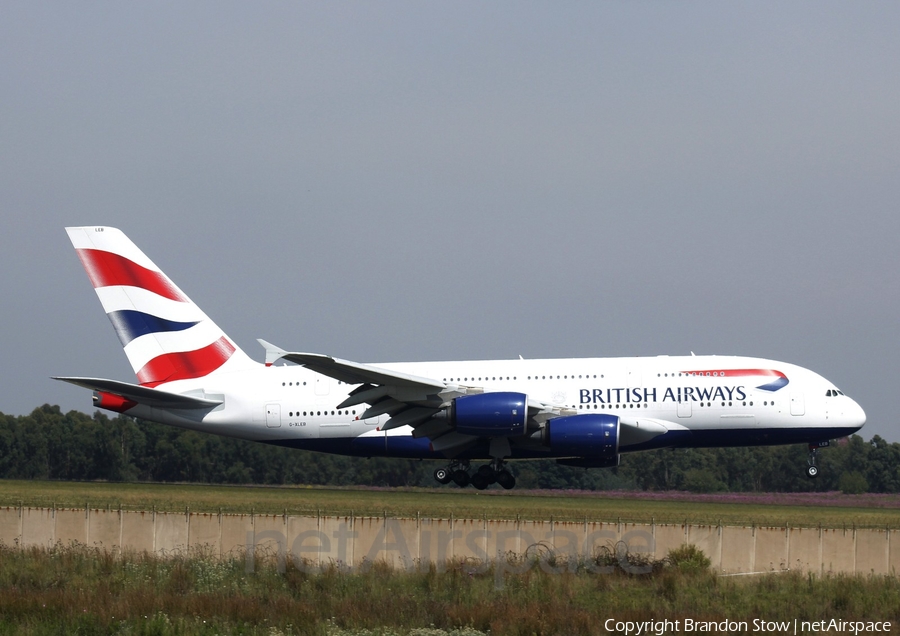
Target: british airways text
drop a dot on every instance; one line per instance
(671, 394)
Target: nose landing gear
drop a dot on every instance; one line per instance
(812, 471)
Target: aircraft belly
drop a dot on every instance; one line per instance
(334, 429)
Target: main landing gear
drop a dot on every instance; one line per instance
(487, 474)
(457, 472)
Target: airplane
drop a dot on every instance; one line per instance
(582, 412)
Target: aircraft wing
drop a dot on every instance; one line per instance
(409, 400)
(350, 372)
(418, 402)
(143, 395)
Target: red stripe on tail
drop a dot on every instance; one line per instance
(106, 269)
(185, 365)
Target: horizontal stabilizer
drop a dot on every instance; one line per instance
(143, 395)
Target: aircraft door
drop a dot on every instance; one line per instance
(273, 415)
(684, 408)
(797, 405)
(322, 385)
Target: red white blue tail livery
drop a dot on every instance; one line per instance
(165, 335)
(579, 412)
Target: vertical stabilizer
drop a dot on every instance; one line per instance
(165, 335)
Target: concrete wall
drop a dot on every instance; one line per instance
(408, 543)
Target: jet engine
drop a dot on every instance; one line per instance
(490, 414)
(590, 435)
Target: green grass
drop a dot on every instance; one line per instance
(436, 502)
(83, 590)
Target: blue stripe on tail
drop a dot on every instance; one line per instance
(131, 324)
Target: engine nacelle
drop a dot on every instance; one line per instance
(588, 435)
(493, 414)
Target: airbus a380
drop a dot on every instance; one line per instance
(581, 411)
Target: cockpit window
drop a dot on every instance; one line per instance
(833, 393)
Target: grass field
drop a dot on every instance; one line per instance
(80, 590)
(825, 509)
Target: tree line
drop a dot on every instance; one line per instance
(50, 444)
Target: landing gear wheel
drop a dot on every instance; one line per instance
(812, 472)
(479, 481)
(442, 476)
(487, 471)
(460, 478)
(505, 479)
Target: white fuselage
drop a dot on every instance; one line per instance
(701, 400)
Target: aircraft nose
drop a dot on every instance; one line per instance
(855, 415)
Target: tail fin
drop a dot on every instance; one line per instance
(165, 335)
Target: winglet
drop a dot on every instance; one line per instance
(273, 353)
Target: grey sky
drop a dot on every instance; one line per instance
(415, 181)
